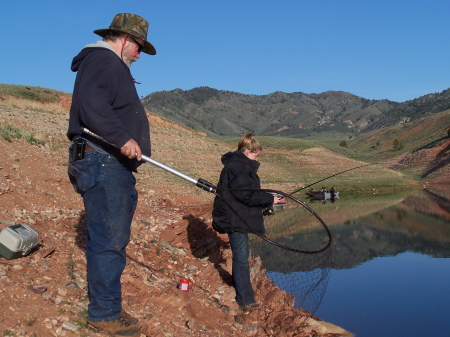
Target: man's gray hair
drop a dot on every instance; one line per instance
(112, 35)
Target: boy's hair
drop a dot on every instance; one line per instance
(249, 143)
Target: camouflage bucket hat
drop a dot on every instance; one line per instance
(130, 24)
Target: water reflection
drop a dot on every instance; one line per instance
(418, 224)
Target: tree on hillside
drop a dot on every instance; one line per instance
(398, 144)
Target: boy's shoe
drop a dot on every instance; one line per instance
(249, 307)
(118, 327)
(127, 316)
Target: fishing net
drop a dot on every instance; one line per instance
(303, 275)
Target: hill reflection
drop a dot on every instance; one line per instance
(417, 224)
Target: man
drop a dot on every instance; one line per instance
(106, 102)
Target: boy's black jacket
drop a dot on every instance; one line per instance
(238, 185)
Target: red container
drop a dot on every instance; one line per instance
(185, 285)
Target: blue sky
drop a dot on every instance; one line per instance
(376, 49)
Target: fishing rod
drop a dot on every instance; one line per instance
(289, 219)
(333, 175)
(353, 168)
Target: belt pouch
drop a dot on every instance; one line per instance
(77, 149)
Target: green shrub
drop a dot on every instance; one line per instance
(9, 133)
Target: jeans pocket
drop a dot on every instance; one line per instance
(81, 175)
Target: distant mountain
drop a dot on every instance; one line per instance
(225, 113)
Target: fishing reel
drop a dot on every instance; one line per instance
(268, 211)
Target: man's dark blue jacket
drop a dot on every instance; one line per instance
(105, 101)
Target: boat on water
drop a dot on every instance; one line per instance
(324, 194)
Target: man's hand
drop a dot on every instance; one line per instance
(131, 149)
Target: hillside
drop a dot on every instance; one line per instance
(224, 113)
(420, 147)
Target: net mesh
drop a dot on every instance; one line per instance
(303, 275)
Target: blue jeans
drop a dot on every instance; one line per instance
(110, 198)
(240, 268)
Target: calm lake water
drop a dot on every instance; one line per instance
(387, 274)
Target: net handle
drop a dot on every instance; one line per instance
(203, 184)
(207, 186)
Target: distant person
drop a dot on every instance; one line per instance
(332, 194)
(106, 102)
(238, 186)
